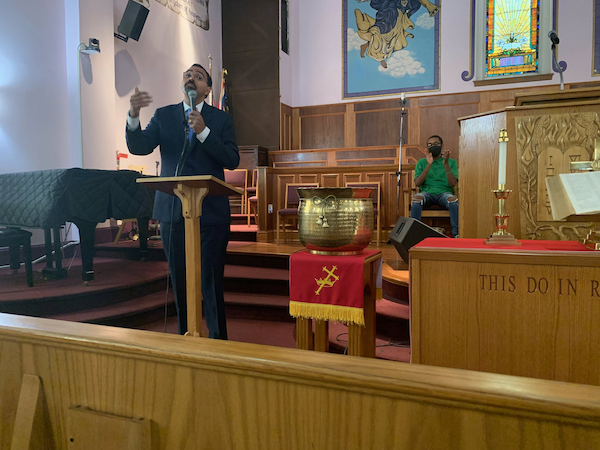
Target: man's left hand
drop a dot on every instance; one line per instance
(197, 122)
(445, 155)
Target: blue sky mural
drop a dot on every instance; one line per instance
(399, 44)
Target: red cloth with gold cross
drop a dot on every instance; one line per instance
(328, 287)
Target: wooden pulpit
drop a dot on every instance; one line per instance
(547, 131)
(192, 190)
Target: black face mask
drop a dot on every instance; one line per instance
(435, 150)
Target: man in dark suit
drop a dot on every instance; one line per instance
(213, 148)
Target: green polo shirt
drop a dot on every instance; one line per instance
(436, 181)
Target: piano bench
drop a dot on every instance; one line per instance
(14, 238)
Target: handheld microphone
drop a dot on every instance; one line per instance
(192, 95)
(553, 37)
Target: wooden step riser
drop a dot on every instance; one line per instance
(249, 286)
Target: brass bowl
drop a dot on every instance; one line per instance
(335, 221)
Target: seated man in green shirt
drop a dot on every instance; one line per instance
(435, 176)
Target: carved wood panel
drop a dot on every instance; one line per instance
(546, 144)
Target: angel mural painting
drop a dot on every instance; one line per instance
(388, 31)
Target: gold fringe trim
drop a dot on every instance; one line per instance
(343, 314)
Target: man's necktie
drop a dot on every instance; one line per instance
(192, 135)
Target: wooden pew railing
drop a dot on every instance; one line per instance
(101, 387)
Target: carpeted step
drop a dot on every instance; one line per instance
(129, 314)
(257, 306)
(273, 261)
(256, 280)
(393, 320)
(395, 292)
(116, 281)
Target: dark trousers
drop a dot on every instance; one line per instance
(214, 239)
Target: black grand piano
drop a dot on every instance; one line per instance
(49, 198)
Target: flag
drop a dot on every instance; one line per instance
(223, 98)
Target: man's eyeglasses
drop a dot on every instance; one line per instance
(431, 144)
(190, 75)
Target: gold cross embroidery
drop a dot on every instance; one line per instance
(329, 281)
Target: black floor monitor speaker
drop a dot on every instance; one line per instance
(133, 20)
(408, 233)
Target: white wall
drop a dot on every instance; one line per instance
(167, 47)
(317, 50)
(33, 87)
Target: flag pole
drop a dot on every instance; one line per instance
(210, 94)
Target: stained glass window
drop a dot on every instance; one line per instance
(512, 37)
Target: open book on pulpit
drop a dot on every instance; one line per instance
(575, 196)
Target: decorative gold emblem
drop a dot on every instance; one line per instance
(329, 281)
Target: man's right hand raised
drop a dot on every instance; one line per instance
(139, 99)
(428, 157)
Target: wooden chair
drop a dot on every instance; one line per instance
(238, 178)
(434, 216)
(252, 197)
(289, 214)
(376, 186)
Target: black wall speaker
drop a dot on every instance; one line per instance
(133, 20)
(409, 232)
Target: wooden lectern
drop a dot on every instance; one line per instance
(192, 190)
(547, 131)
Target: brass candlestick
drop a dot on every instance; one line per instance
(502, 236)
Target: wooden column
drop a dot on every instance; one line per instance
(191, 204)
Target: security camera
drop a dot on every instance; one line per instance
(92, 48)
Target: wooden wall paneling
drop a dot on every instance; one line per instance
(395, 206)
(479, 174)
(296, 130)
(251, 56)
(485, 104)
(300, 164)
(367, 156)
(442, 120)
(284, 157)
(350, 126)
(320, 110)
(413, 121)
(330, 180)
(308, 178)
(352, 178)
(256, 125)
(500, 99)
(325, 131)
(380, 127)
(285, 127)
